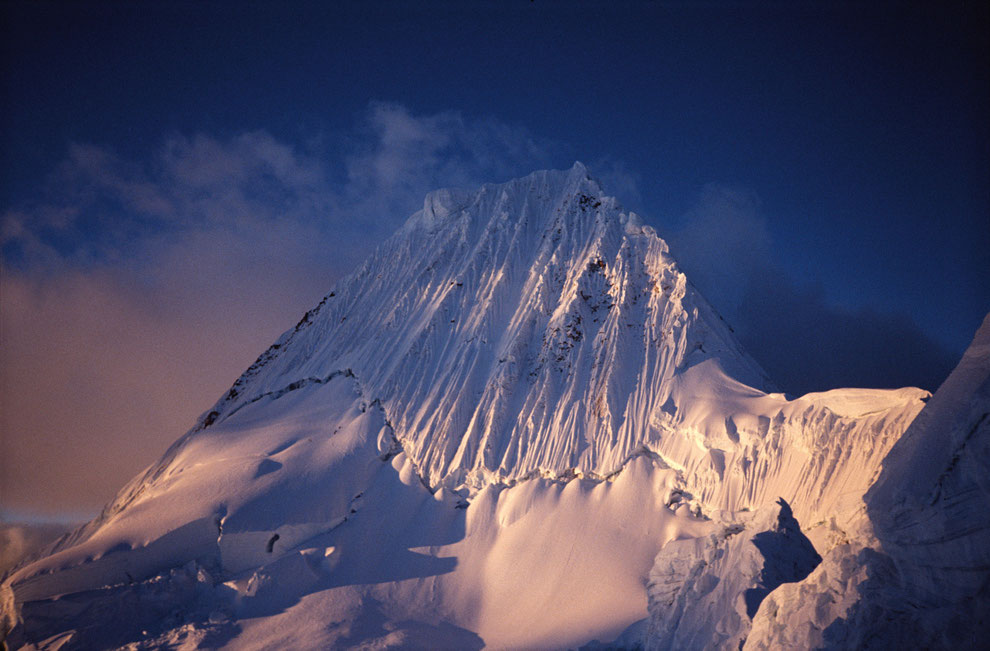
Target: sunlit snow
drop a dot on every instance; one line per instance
(487, 435)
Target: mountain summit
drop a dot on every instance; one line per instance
(528, 327)
(485, 435)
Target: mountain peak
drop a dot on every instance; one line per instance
(433, 439)
(510, 330)
(553, 186)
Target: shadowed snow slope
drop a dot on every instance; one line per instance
(484, 435)
(705, 591)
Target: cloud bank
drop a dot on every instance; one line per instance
(803, 341)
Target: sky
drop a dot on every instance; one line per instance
(180, 181)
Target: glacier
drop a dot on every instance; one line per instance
(516, 425)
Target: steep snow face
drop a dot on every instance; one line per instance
(533, 328)
(529, 327)
(913, 570)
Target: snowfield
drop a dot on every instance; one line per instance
(517, 425)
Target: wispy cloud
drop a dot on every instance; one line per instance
(18, 541)
(99, 209)
(619, 181)
(723, 242)
(402, 156)
(802, 340)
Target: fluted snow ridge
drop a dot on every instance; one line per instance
(529, 326)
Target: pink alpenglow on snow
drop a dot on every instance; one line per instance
(516, 425)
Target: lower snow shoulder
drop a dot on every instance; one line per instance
(705, 591)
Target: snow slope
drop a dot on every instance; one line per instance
(484, 436)
(303, 504)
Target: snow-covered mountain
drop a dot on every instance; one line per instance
(483, 436)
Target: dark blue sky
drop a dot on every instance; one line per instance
(860, 130)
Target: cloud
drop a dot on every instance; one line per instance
(619, 181)
(809, 345)
(133, 292)
(802, 341)
(401, 157)
(136, 292)
(17, 541)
